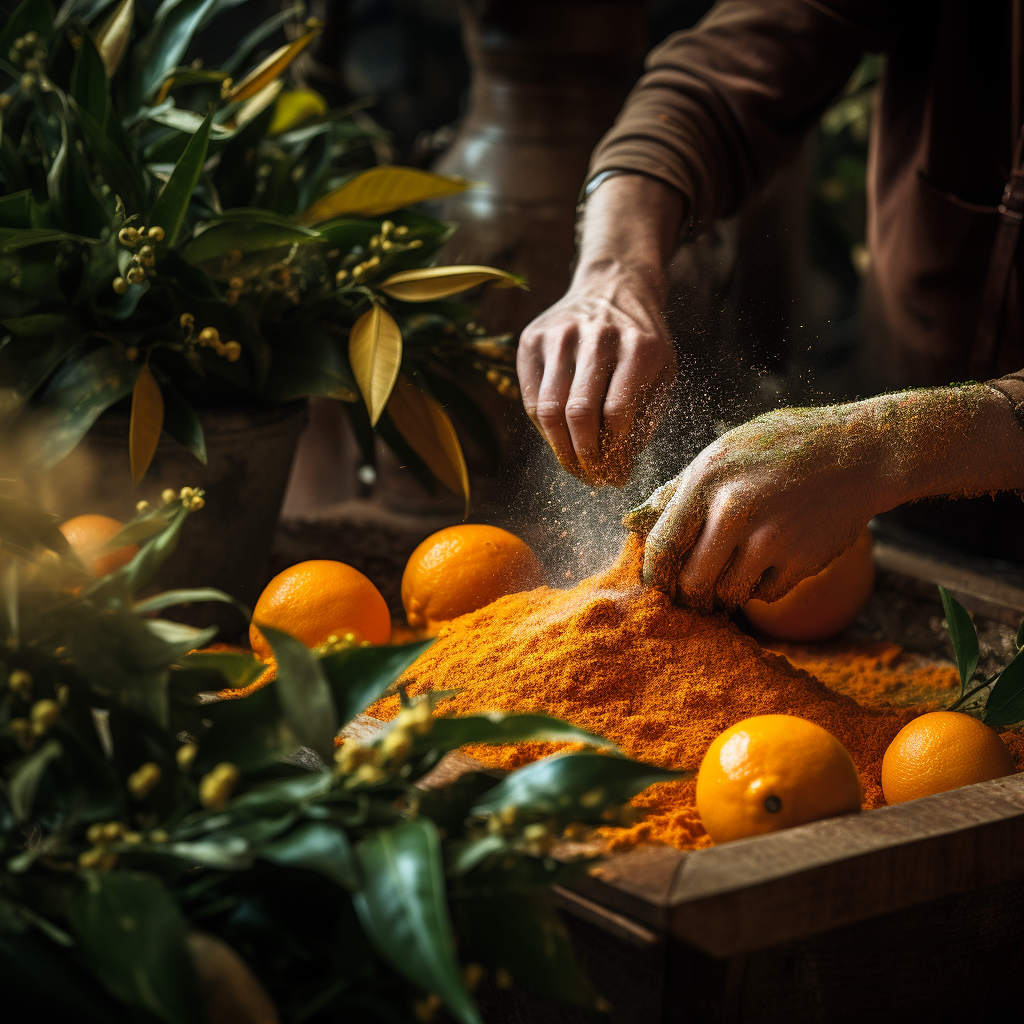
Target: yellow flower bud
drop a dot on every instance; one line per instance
(94, 834)
(111, 831)
(158, 835)
(120, 285)
(236, 283)
(216, 787)
(233, 351)
(128, 236)
(97, 859)
(63, 695)
(209, 335)
(141, 506)
(156, 233)
(167, 496)
(136, 275)
(143, 779)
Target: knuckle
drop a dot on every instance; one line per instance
(579, 410)
(549, 411)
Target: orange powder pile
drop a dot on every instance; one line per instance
(660, 681)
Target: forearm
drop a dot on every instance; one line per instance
(630, 230)
(946, 441)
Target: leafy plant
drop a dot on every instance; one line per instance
(142, 828)
(186, 238)
(997, 700)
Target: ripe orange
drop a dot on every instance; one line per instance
(462, 568)
(821, 605)
(318, 599)
(940, 751)
(88, 534)
(772, 772)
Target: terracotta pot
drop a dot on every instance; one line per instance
(226, 544)
(549, 76)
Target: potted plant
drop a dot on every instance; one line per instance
(165, 859)
(188, 251)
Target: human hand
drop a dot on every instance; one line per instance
(766, 505)
(594, 371)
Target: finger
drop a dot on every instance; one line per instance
(710, 558)
(742, 577)
(642, 518)
(552, 395)
(530, 371)
(594, 364)
(673, 535)
(637, 380)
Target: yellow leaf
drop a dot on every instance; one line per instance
(381, 190)
(147, 420)
(429, 432)
(263, 74)
(439, 282)
(294, 107)
(254, 107)
(375, 354)
(112, 38)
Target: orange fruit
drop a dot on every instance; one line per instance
(316, 600)
(772, 772)
(88, 534)
(940, 751)
(461, 568)
(822, 605)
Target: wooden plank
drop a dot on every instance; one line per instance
(760, 892)
(988, 594)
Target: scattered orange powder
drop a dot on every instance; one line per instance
(661, 681)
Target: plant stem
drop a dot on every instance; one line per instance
(970, 693)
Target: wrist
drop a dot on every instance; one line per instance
(609, 273)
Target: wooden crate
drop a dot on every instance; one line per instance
(903, 914)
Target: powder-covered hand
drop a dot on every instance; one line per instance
(776, 499)
(766, 505)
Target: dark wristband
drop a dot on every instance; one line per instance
(1011, 387)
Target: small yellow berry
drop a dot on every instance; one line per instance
(111, 831)
(185, 493)
(156, 233)
(28, 80)
(236, 284)
(209, 335)
(136, 275)
(44, 714)
(128, 236)
(158, 835)
(97, 859)
(63, 695)
(340, 276)
(20, 682)
(187, 321)
(120, 285)
(141, 506)
(167, 496)
(186, 754)
(29, 39)
(216, 787)
(233, 351)
(94, 834)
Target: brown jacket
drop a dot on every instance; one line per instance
(723, 106)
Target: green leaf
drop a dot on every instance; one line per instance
(254, 234)
(163, 46)
(573, 787)
(74, 399)
(171, 205)
(89, 81)
(531, 943)
(114, 164)
(403, 908)
(315, 367)
(303, 693)
(29, 526)
(317, 846)
(182, 422)
(27, 776)
(283, 795)
(142, 569)
(270, 69)
(180, 634)
(1005, 704)
(249, 732)
(963, 636)
(16, 209)
(172, 598)
(426, 284)
(132, 935)
(237, 669)
(498, 728)
(358, 676)
(13, 239)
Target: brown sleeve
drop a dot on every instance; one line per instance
(722, 106)
(1011, 387)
